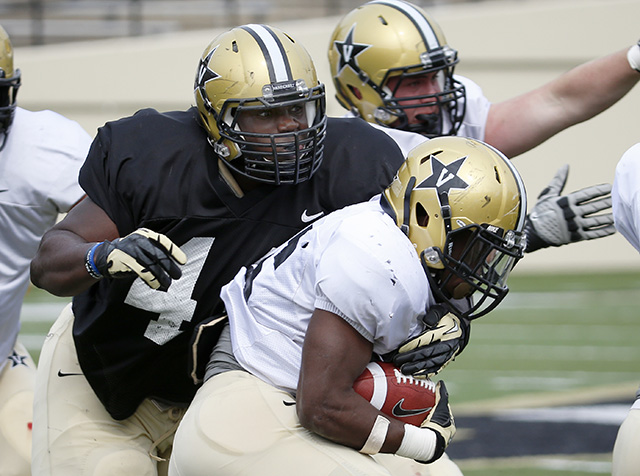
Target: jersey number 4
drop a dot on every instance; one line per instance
(174, 306)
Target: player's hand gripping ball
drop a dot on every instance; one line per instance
(396, 395)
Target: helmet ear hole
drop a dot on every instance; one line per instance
(355, 91)
(422, 216)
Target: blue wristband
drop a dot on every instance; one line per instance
(90, 265)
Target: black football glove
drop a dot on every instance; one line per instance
(557, 220)
(145, 253)
(441, 421)
(427, 354)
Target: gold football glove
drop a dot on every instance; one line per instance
(145, 253)
(427, 354)
(440, 419)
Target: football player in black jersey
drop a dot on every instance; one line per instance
(192, 195)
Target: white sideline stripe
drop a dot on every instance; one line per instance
(563, 300)
(554, 352)
(613, 414)
(572, 465)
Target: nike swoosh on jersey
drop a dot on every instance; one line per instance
(288, 404)
(67, 374)
(398, 411)
(307, 218)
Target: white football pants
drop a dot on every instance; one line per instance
(239, 425)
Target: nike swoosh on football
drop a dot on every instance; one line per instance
(67, 374)
(307, 218)
(398, 411)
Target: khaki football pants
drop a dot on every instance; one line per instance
(240, 425)
(73, 434)
(626, 454)
(17, 381)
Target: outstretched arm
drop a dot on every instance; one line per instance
(518, 124)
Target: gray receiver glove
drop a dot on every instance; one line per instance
(144, 253)
(557, 220)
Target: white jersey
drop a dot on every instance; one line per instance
(626, 196)
(355, 262)
(474, 123)
(38, 180)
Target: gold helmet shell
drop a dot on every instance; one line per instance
(260, 67)
(463, 205)
(393, 38)
(9, 84)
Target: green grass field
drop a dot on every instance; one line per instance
(555, 340)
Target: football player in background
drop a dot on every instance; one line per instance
(626, 211)
(193, 195)
(392, 66)
(305, 320)
(40, 155)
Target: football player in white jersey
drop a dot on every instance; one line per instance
(305, 320)
(392, 66)
(40, 155)
(626, 212)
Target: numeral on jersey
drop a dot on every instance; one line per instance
(174, 306)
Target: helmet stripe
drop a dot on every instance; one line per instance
(417, 18)
(273, 51)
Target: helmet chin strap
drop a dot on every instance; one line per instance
(445, 209)
(407, 206)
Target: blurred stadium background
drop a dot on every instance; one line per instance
(550, 375)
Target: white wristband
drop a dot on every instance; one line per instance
(417, 443)
(377, 436)
(633, 55)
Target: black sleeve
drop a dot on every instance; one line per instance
(98, 179)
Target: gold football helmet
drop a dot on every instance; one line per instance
(9, 84)
(463, 206)
(258, 69)
(393, 39)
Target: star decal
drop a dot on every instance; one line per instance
(444, 177)
(17, 359)
(205, 73)
(348, 50)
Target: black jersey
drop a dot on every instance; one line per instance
(157, 170)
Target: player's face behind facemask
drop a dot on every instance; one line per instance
(476, 262)
(462, 205)
(262, 105)
(391, 65)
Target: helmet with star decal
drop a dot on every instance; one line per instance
(259, 69)
(462, 204)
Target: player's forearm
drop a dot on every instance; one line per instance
(592, 87)
(347, 421)
(59, 267)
